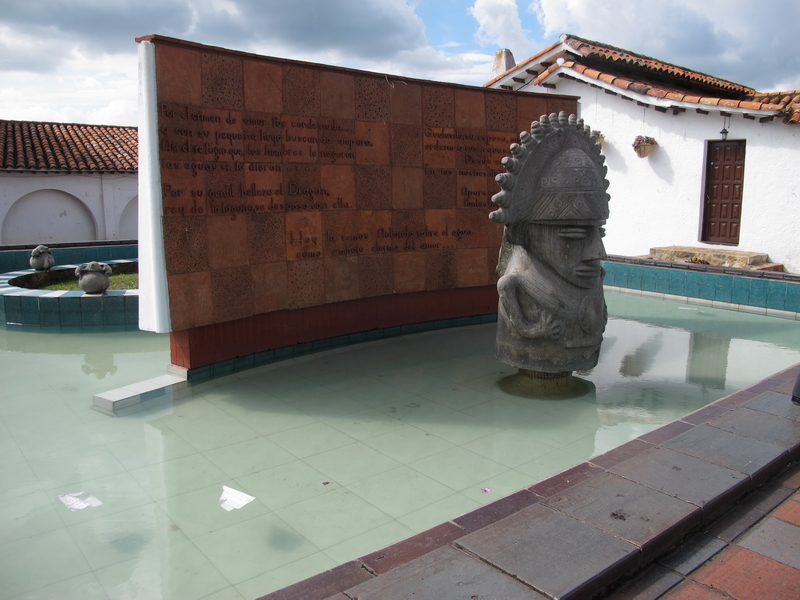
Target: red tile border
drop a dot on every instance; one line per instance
(737, 399)
(705, 414)
(500, 509)
(667, 432)
(623, 452)
(566, 479)
(407, 550)
(323, 585)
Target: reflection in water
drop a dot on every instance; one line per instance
(98, 364)
(525, 384)
(707, 364)
(638, 362)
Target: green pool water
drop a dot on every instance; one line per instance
(345, 451)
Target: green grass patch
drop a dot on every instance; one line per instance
(123, 281)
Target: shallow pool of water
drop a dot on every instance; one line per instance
(345, 451)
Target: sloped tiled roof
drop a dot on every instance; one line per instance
(33, 146)
(627, 71)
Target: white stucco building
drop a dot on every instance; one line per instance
(67, 183)
(699, 186)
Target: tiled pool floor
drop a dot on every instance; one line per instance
(345, 451)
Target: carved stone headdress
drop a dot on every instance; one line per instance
(556, 175)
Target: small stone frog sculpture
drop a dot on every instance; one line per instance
(41, 259)
(93, 277)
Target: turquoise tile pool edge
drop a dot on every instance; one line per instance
(736, 292)
(45, 308)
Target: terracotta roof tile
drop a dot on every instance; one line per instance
(67, 147)
(651, 77)
(610, 54)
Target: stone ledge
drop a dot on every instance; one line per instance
(134, 397)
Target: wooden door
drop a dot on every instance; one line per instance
(722, 211)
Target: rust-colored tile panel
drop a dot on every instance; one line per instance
(472, 267)
(470, 109)
(501, 112)
(337, 92)
(341, 278)
(438, 107)
(232, 293)
(407, 187)
(190, 300)
(263, 188)
(178, 75)
(301, 139)
(530, 108)
(372, 225)
(556, 105)
(303, 235)
(222, 80)
(302, 187)
(376, 275)
(439, 230)
(439, 146)
(408, 228)
(306, 283)
(270, 286)
(439, 187)
(263, 87)
(406, 103)
(227, 241)
(409, 272)
(372, 143)
(406, 145)
(440, 270)
(341, 233)
(339, 181)
(373, 187)
(471, 230)
(301, 92)
(472, 191)
(337, 141)
(266, 237)
(184, 195)
(225, 187)
(372, 99)
(185, 245)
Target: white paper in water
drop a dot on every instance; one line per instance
(79, 500)
(232, 498)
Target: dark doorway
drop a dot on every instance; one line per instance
(722, 209)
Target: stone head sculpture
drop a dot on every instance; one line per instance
(553, 203)
(41, 258)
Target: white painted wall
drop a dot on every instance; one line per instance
(657, 201)
(48, 208)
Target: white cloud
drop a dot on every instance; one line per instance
(725, 38)
(499, 25)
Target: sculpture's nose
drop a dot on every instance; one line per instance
(595, 250)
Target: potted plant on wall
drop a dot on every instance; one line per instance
(598, 136)
(643, 145)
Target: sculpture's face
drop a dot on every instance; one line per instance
(572, 251)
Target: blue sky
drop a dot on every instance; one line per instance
(76, 61)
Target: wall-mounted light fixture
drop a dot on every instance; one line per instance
(726, 121)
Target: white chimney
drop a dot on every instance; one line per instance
(503, 61)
